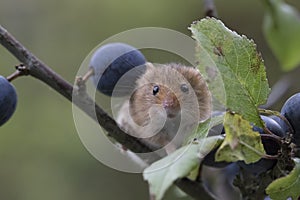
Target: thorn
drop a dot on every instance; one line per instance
(21, 70)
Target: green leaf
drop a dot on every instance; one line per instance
(287, 186)
(233, 68)
(161, 174)
(281, 27)
(175, 192)
(204, 127)
(241, 142)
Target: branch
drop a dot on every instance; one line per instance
(210, 9)
(41, 71)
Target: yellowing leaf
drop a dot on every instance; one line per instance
(241, 142)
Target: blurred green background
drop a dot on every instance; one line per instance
(41, 156)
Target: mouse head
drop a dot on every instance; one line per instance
(178, 91)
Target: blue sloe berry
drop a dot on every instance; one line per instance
(291, 111)
(110, 62)
(8, 100)
(272, 125)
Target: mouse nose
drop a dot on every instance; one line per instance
(171, 106)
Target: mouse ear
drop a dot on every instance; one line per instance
(113, 61)
(149, 65)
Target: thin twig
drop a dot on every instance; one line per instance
(210, 9)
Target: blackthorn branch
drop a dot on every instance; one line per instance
(37, 69)
(41, 71)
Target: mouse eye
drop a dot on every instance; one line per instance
(155, 90)
(184, 88)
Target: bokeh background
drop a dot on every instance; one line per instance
(41, 155)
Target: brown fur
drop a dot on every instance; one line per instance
(185, 107)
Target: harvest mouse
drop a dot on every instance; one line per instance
(168, 103)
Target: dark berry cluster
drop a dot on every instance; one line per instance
(284, 126)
